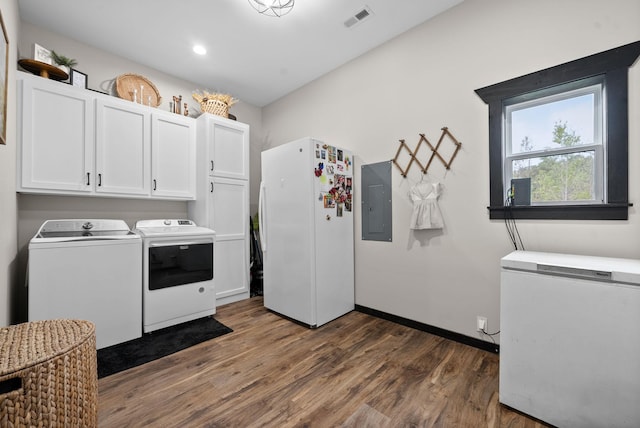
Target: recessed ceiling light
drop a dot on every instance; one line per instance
(199, 49)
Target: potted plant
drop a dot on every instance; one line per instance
(63, 62)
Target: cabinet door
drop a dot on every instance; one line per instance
(173, 144)
(123, 148)
(229, 211)
(56, 137)
(229, 149)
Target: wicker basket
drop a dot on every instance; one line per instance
(128, 85)
(48, 374)
(214, 103)
(214, 106)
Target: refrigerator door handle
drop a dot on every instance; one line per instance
(261, 222)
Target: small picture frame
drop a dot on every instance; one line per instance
(77, 79)
(41, 54)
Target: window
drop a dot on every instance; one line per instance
(565, 130)
(555, 139)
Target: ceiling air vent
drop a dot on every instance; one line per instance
(358, 17)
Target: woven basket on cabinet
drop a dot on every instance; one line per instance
(214, 106)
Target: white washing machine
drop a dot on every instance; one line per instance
(91, 270)
(177, 272)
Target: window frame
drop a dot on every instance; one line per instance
(612, 66)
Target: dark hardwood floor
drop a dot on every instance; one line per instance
(357, 371)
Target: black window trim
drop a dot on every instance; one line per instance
(613, 65)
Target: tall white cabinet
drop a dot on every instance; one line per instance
(222, 201)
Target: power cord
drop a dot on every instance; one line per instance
(483, 331)
(510, 224)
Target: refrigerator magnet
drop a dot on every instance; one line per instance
(328, 201)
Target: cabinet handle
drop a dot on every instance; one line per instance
(154, 184)
(211, 186)
(99, 180)
(88, 182)
(211, 165)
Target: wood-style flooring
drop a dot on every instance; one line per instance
(356, 371)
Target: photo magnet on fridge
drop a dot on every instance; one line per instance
(329, 202)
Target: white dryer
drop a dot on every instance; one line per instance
(91, 270)
(177, 272)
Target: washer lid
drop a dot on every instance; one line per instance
(82, 230)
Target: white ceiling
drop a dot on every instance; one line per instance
(255, 58)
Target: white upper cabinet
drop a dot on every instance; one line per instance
(173, 156)
(228, 152)
(56, 130)
(74, 141)
(123, 147)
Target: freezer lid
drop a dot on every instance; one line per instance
(592, 267)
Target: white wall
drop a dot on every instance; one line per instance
(424, 80)
(8, 213)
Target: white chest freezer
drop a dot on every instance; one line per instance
(570, 338)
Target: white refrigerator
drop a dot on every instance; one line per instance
(306, 231)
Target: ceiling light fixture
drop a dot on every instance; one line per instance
(276, 8)
(200, 50)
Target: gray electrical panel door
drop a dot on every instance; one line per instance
(376, 201)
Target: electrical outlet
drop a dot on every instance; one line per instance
(481, 323)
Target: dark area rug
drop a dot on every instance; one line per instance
(158, 344)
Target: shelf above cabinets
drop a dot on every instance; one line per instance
(75, 142)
